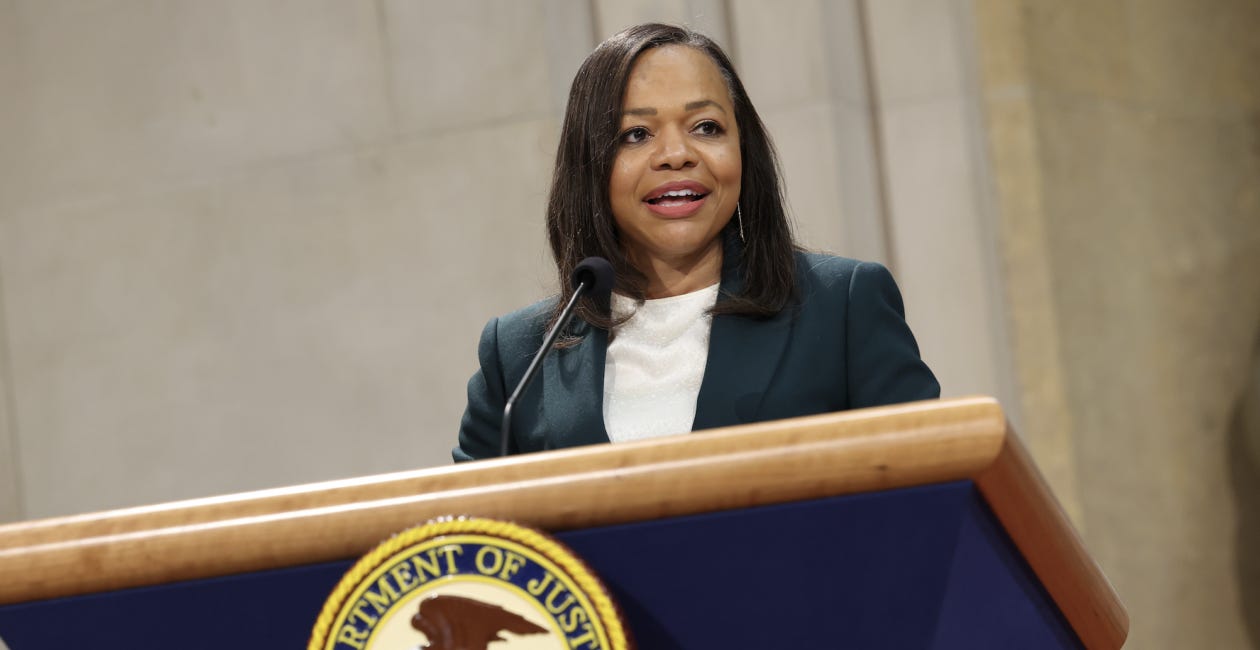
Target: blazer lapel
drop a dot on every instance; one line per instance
(743, 355)
(573, 398)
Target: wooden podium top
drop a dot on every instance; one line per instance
(712, 470)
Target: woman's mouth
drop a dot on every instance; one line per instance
(677, 199)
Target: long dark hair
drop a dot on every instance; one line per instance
(579, 214)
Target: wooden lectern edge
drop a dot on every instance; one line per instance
(1020, 498)
(811, 457)
(181, 513)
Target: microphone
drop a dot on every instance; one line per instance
(593, 275)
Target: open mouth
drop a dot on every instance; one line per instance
(677, 197)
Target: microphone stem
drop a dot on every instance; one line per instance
(505, 433)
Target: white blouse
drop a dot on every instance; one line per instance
(655, 364)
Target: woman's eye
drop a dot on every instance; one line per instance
(635, 135)
(708, 127)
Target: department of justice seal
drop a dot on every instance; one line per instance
(461, 584)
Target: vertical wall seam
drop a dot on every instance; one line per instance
(596, 36)
(387, 67)
(8, 406)
(878, 148)
(1036, 354)
(16, 73)
(728, 23)
(985, 190)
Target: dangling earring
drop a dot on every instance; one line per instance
(739, 219)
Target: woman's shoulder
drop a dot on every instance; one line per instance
(531, 314)
(821, 275)
(826, 269)
(525, 325)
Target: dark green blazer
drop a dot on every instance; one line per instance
(845, 345)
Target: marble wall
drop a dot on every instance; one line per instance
(246, 244)
(1126, 143)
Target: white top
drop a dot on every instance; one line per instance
(655, 364)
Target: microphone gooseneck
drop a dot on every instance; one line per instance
(594, 276)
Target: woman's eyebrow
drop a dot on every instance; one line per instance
(691, 106)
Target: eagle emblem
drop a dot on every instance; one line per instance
(463, 584)
(458, 623)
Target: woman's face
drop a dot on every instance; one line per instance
(676, 177)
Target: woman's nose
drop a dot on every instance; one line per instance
(673, 151)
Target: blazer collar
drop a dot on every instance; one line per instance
(743, 354)
(574, 388)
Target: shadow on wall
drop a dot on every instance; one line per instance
(1244, 466)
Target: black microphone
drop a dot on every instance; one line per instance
(592, 275)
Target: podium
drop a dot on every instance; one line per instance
(921, 525)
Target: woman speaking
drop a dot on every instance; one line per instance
(717, 317)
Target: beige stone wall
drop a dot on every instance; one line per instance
(252, 243)
(1126, 146)
(247, 244)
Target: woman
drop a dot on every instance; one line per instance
(665, 169)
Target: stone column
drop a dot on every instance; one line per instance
(1126, 146)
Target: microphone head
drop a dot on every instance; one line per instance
(598, 275)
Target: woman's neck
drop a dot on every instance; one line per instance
(667, 278)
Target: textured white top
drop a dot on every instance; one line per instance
(655, 364)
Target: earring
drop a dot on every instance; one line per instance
(739, 219)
